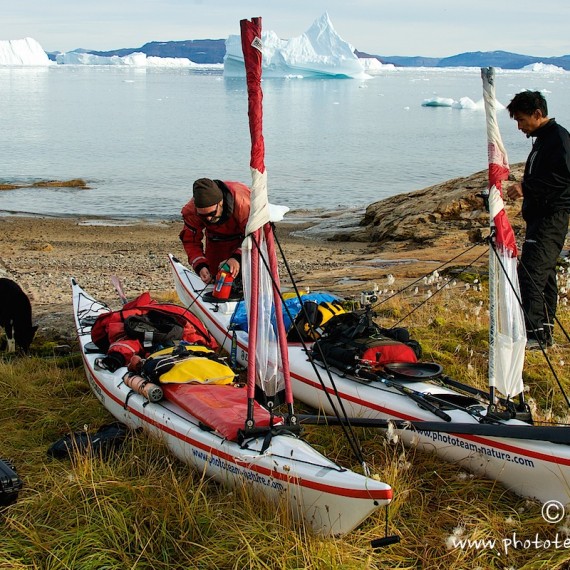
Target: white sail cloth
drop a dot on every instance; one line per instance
(507, 330)
(267, 356)
(507, 336)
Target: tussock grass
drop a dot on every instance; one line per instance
(142, 508)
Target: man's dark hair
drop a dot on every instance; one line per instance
(527, 102)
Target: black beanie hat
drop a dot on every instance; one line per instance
(206, 193)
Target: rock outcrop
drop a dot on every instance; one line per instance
(422, 217)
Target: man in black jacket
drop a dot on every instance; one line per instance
(545, 189)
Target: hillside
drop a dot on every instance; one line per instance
(213, 51)
(502, 59)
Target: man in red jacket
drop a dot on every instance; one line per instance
(214, 226)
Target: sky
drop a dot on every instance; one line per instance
(432, 28)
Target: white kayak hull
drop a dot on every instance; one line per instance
(330, 499)
(530, 468)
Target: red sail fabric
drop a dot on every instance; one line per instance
(498, 170)
(251, 46)
(268, 360)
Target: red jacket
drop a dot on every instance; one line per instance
(222, 239)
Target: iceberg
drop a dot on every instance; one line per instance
(468, 103)
(438, 102)
(373, 66)
(463, 103)
(543, 67)
(320, 51)
(23, 52)
(137, 59)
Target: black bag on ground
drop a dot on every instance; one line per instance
(10, 483)
(107, 439)
(352, 341)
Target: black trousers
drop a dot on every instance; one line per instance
(544, 240)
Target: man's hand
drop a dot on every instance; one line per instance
(233, 264)
(514, 191)
(205, 275)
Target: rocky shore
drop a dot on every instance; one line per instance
(401, 238)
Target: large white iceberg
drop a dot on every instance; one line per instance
(23, 52)
(320, 51)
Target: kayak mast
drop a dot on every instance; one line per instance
(268, 360)
(507, 336)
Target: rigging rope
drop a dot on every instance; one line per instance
(346, 426)
(511, 284)
(438, 291)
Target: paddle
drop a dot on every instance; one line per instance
(423, 400)
(418, 397)
(554, 434)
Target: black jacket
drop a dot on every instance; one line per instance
(546, 181)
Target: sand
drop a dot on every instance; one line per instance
(43, 253)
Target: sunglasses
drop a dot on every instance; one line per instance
(209, 215)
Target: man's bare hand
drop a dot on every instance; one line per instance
(233, 264)
(205, 275)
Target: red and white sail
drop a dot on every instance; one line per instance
(268, 365)
(507, 336)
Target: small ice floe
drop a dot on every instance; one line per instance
(543, 68)
(467, 103)
(438, 102)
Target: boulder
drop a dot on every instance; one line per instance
(424, 216)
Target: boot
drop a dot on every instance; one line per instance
(548, 334)
(535, 339)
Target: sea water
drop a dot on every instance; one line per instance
(140, 137)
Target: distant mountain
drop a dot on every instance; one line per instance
(213, 51)
(198, 51)
(502, 59)
(402, 60)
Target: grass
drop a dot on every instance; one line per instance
(142, 508)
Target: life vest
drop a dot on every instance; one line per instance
(109, 333)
